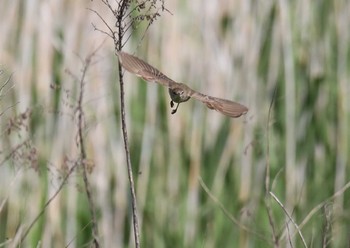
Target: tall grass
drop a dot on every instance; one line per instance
(200, 177)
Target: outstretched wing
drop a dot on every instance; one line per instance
(142, 69)
(226, 107)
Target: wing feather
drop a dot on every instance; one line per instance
(226, 107)
(142, 69)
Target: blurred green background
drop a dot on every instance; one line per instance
(236, 49)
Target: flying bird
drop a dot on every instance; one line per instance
(178, 92)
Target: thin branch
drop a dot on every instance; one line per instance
(144, 33)
(269, 214)
(110, 29)
(267, 175)
(118, 45)
(229, 215)
(81, 231)
(83, 152)
(7, 82)
(129, 24)
(326, 227)
(121, 14)
(5, 199)
(2, 94)
(289, 238)
(7, 108)
(14, 150)
(110, 7)
(291, 219)
(65, 179)
(128, 162)
(319, 206)
(127, 39)
(131, 11)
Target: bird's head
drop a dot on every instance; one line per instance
(179, 93)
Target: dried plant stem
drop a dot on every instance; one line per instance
(229, 215)
(83, 152)
(289, 217)
(64, 181)
(122, 27)
(118, 46)
(267, 174)
(319, 206)
(128, 162)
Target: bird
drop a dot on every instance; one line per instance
(179, 92)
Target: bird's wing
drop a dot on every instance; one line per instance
(142, 69)
(226, 107)
(149, 73)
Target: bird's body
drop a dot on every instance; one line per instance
(176, 96)
(178, 92)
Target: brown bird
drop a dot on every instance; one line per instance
(178, 92)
